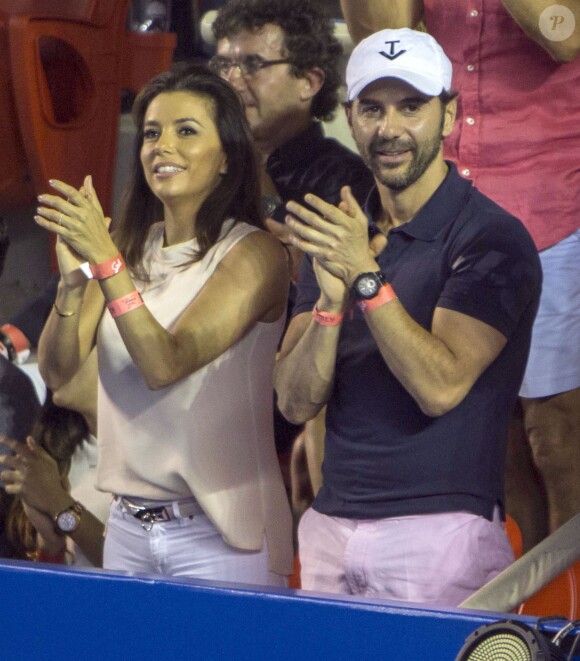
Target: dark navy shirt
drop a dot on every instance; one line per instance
(313, 163)
(383, 456)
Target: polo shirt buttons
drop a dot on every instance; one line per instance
(466, 172)
(470, 67)
(474, 13)
(470, 121)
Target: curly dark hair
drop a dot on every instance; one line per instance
(309, 40)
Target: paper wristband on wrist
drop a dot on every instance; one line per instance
(15, 343)
(326, 318)
(125, 304)
(106, 269)
(386, 294)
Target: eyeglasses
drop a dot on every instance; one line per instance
(248, 65)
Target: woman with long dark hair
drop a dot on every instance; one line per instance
(186, 307)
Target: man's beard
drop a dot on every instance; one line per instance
(398, 178)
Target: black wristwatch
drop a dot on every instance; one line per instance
(68, 520)
(367, 285)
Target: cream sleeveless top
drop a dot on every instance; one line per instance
(210, 434)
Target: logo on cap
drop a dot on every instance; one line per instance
(392, 55)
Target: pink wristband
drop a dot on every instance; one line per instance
(385, 294)
(107, 269)
(326, 318)
(125, 304)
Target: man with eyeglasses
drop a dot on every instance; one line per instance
(283, 58)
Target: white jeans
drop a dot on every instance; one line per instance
(182, 547)
(433, 558)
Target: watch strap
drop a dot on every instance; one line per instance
(386, 294)
(375, 275)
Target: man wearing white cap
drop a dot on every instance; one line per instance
(413, 326)
(517, 70)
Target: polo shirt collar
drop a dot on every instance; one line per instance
(441, 209)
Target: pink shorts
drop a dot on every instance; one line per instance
(432, 558)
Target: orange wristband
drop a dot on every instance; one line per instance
(326, 318)
(385, 294)
(107, 269)
(125, 304)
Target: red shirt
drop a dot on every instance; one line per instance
(517, 135)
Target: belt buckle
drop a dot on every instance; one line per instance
(147, 515)
(147, 518)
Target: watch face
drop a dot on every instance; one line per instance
(67, 521)
(367, 286)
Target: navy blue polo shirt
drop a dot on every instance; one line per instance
(383, 456)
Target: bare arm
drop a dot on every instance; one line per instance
(70, 330)
(531, 14)
(314, 433)
(66, 341)
(363, 17)
(438, 367)
(304, 370)
(366, 16)
(249, 285)
(33, 475)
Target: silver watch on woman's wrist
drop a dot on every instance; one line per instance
(67, 521)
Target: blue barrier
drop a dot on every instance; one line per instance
(53, 613)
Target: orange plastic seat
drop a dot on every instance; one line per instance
(294, 580)
(560, 597)
(515, 536)
(16, 189)
(68, 64)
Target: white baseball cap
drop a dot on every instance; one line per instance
(411, 56)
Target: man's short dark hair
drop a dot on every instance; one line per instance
(446, 97)
(309, 40)
(4, 242)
